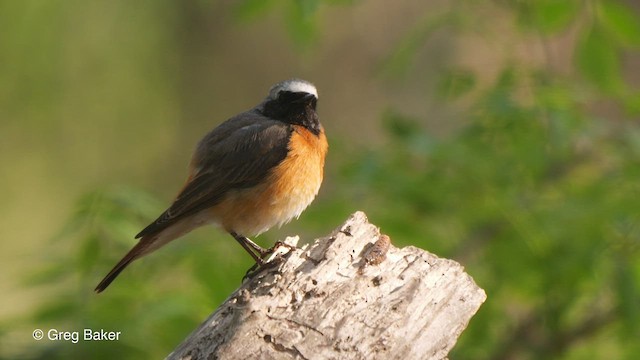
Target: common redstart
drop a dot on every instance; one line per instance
(258, 169)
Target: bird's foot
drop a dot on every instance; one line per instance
(276, 257)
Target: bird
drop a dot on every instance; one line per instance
(258, 169)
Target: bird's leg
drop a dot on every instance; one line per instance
(252, 248)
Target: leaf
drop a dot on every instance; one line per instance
(397, 64)
(54, 273)
(598, 60)
(89, 250)
(626, 284)
(307, 7)
(621, 21)
(632, 103)
(56, 311)
(552, 16)
(400, 126)
(455, 83)
(252, 9)
(301, 21)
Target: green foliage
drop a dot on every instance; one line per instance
(547, 16)
(398, 63)
(599, 61)
(455, 83)
(533, 200)
(621, 21)
(300, 16)
(172, 293)
(535, 193)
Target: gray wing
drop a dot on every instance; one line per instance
(237, 154)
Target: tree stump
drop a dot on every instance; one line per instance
(349, 295)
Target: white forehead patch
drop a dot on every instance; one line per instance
(293, 85)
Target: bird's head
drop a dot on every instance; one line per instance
(293, 101)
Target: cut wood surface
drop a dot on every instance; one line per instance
(349, 295)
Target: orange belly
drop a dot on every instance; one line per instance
(286, 192)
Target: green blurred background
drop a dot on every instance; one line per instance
(502, 134)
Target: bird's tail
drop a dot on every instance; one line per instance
(136, 252)
(148, 243)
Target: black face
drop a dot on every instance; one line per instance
(297, 108)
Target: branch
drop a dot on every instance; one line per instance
(350, 295)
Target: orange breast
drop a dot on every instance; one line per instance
(287, 191)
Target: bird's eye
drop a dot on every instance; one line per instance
(284, 95)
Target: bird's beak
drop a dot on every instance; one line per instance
(306, 98)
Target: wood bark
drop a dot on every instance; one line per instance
(349, 295)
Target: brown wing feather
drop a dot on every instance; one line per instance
(237, 154)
